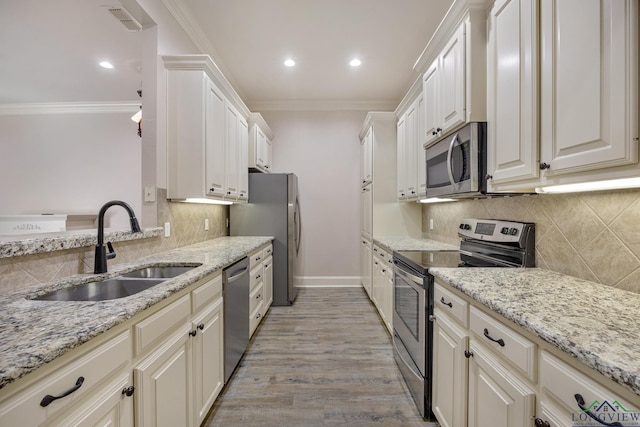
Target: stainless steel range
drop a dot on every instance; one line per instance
(484, 243)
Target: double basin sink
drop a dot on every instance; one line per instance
(117, 287)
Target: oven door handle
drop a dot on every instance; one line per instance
(452, 145)
(415, 279)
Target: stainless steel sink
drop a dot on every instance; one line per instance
(159, 272)
(118, 287)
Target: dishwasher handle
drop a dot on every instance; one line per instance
(238, 275)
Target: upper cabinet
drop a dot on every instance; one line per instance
(260, 137)
(454, 85)
(411, 166)
(573, 116)
(366, 158)
(207, 133)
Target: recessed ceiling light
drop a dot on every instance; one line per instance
(289, 62)
(106, 64)
(355, 62)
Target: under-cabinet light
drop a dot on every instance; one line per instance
(612, 184)
(436, 200)
(203, 200)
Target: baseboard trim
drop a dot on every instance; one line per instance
(328, 282)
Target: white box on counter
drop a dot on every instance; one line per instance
(29, 224)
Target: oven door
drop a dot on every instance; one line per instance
(409, 312)
(455, 164)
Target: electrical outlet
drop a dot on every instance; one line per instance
(206, 224)
(167, 229)
(431, 224)
(150, 194)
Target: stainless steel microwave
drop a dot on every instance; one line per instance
(457, 163)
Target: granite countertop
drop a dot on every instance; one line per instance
(397, 243)
(596, 324)
(33, 333)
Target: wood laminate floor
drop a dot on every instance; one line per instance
(324, 361)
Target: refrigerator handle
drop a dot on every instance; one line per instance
(298, 225)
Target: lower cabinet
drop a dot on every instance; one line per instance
(485, 373)
(382, 285)
(261, 285)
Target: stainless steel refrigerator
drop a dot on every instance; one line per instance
(273, 210)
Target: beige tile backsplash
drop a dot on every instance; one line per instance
(187, 227)
(595, 236)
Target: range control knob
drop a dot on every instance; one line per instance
(513, 231)
(464, 226)
(504, 230)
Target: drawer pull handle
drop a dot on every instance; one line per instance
(580, 401)
(48, 398)
(128, 391)
(201, 326)
(468, 354)
(541, 423)
(499, 341)
(447, 303)
(193, 333)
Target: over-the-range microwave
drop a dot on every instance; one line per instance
(457, 163)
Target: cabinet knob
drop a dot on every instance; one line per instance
(541, 423)
(229, 192)
(544, 166)
(488, 177)
(201, 326)
(128, 391)
(432, 318)
(468, 354)
(212, 189)
(193, 333)
(259, 315)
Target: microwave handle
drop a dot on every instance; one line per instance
(452, 144)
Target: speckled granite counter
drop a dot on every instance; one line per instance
(33, 333)
(393, 243)
(30, 244)
(598, 325)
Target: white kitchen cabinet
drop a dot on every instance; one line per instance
(366, 203)
(268, 284)
(382, 286)
(512, 87)
(497, 398)
(366, 158)
(444, 88)
(260, 137)
(377, 282)
(587, 128)
(92, 377)
(207, 134)
(411, 165)
(260, 285)
(366, 266)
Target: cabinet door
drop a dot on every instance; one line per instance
(451, 81)
(432, 127)
(267, 155)
(108, 407)
(377, 279)
(365, 265)
(366, 157)
(261, 142)
(496, 397)
(400, 152)
(512, 91)
(232, 137)
(421, 165)
(268, 284)
(388, 296)
(163, 384)
(588, 81)
(449, 372)
(243, 160)
(409, 163)
(214, 156)
(366, 209)
(208, 358)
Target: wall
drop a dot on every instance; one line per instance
(594, 236)
(187, 227)
(323, 149)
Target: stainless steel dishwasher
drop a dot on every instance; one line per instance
(236, 314)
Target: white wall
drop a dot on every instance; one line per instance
(323, 149)
(67, 163)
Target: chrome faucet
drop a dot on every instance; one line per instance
(100, 265)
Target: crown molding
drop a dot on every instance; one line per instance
(69, 108)
(412, 94)
(322, 105)
(257, 119)
(376, 116)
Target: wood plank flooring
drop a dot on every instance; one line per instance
(324, 361)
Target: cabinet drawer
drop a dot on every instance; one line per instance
(255, 259)
(256, 277)
(511, 345)
(563, 382)
(98, 365)
(254, 319)
(160, 324)
(256, 297)
(455, 306)
(267, 252)
(206, 293)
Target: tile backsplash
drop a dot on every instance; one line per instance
(187, 227)
(594, 236)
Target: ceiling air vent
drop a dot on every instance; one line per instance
(122, 15)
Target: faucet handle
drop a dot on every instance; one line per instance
(111, 254)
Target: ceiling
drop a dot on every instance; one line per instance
(56, 45)
(250, 39)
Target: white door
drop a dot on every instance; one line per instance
(432, 126)
(214, 140)
(451, 80)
